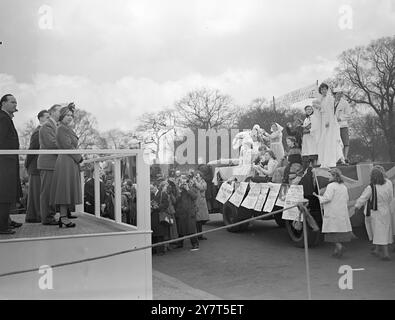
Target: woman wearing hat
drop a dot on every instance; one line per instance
(336, 223)
(326, 130)
(66, 183)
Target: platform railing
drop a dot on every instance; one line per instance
(142, 179)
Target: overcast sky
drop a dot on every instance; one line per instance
(118, 58)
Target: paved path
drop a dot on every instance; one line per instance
(262, 263)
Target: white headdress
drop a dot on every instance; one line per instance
(280, 128)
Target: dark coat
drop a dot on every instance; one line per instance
(186, 212)
(158, 229)
(296, 132)
(47, 138)
(89, 195)
(10, 184)
(31, 159)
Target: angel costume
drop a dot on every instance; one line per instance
(327, 132)
(249, 143)
(244, 141)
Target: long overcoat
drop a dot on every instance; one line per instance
(186, 212)
(10, 184)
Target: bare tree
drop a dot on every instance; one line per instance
(119, 139)
(85, 127)
(367, 129)
(206, 109)
(265, 116)
(370, 74)
(26, 132)
(153, 127)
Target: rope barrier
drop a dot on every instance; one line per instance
(152, 245)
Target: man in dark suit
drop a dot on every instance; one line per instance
(33, 205)
(89, 194)
(10, 187)
(46, 164)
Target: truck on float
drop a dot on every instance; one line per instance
(356, 178)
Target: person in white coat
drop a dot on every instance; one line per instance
(327, 130)
(378, 196)
(336, 223)
(309, 143)
(276, 140)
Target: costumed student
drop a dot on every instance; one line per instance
(276, 140)
(309, 143)
(327, 131)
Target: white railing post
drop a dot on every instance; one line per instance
(117, 190)
(143, 193)
(97, 188)
(80, 207)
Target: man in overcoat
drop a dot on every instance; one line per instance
(10, 186)
(33, 204)
(46, 164)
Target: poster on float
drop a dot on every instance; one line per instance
(238, 196)
(262, 197)
(224, 193)
(295, 195)
(252, 197)
(272, 197)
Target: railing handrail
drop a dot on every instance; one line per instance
(142, 177)
(71, 151)
(99, 159)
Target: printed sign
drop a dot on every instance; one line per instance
(262, 197)
(252, 197)
(282, 195)
(294, 196)
(224, 193)
(272, 197)
(238, 196)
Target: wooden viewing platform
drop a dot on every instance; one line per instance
(85, 262)
(85, 224)
(34, 245)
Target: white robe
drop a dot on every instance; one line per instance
(327, 133)
(381, 219)
(309, 144)
(336, 217)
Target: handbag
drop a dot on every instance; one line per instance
(164, 216)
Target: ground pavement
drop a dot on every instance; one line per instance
(263, 263)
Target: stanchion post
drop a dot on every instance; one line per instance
(306, 249)
(96, 177)
(117, 190)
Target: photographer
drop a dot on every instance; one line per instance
(186, 212)
(202, 216)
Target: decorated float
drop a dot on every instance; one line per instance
(239, 197)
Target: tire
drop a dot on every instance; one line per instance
(279, 220)
(314, 237)
(232, 215)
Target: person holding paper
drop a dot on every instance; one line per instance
(266, 171)
(336, 223)
(309, 144)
